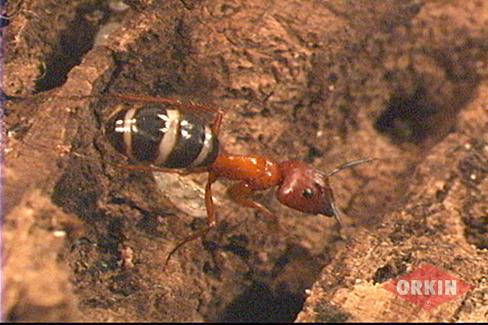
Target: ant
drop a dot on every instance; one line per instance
(167, 135)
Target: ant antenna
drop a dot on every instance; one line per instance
(350, 164)
(337, 214)
(335, 209)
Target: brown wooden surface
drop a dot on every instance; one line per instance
(323, 81)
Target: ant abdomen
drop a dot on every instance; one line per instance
(162, 136)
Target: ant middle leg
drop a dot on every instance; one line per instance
(211, 219)
(241, 193)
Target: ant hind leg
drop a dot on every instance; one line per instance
(211, 219)
(152, 169)
(183, 105)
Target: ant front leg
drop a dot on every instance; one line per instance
(242, 193)
(211, 219)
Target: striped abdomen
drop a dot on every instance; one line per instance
(163, 137)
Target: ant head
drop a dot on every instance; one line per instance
(306, 189)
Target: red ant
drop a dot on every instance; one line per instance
(170, 135)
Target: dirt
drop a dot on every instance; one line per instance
(325, 82)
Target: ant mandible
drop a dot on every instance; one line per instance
(167, 135)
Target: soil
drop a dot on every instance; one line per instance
(402, 81)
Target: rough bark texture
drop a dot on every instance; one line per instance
(323, 81)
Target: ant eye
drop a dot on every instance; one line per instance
(307, 193)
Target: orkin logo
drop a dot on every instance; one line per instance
(428, 287)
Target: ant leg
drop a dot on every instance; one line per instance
(217, 122)
(212, 221)
(164, 170)
(147, 99)
(161, 100)
(242, 194)
(197, 170)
